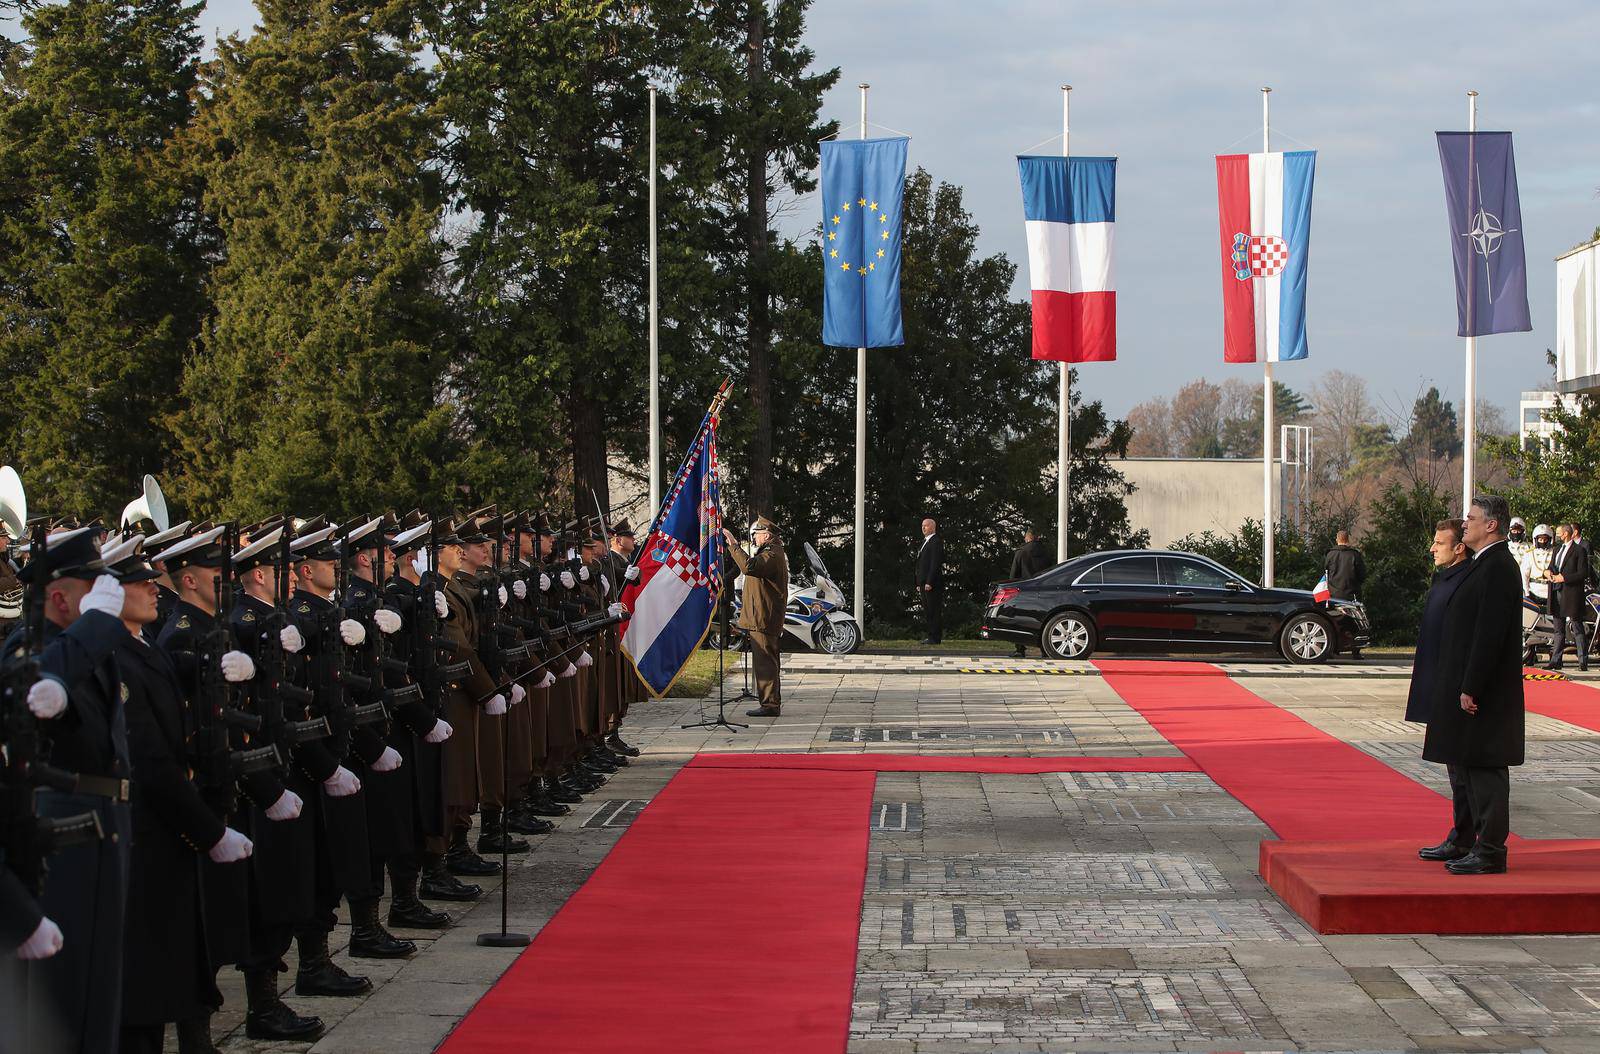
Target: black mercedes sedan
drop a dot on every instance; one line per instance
(1172, 601)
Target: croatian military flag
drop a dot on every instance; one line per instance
(680, 567)
(1264, 204)
(1070, 207)
(1480, 192)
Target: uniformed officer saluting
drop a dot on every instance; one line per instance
(766, 594)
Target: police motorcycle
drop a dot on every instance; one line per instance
(816, 616)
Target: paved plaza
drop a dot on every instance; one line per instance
(1079, 911)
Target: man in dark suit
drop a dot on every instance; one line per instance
(1031, 559)
(1451, 561)
(930, 580)
(1569, 576)
(1475, 723)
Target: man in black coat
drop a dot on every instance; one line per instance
(1031, 559)
(1569, 576)
(1345, 568)
(1451, 562)
(1475, 723)
(930, 580)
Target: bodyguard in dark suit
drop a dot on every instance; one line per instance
(930, 580)
(1451, 562)
(1569, 576)
(1475, 724)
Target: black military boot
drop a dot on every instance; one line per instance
(368, 938)
(461, 860)
(521, 820)
(493, 837)
(194, 1035)
(319, 975)
(614, 741)
(439, 884)
(268, 1016)
(583, 780)
(561, 791)
(610, 756)
(404, 907)
(539, 801)
(598, 760)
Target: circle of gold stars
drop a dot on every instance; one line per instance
(871, 208)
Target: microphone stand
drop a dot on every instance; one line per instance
(722, 699)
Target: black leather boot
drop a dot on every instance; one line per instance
(561, 791)
(368, 938)
(540, 803)
(600, 761)
(614, 741)
(582, 780)
(194, 1035)
(461, 860)
(493, 837)
(404, 907)
(439, 884)
(520, 820)
(268, 1017)
(319, 975)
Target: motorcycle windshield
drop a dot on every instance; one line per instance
(818, 568)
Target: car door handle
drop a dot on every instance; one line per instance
(1088, 590)
(1183, 593)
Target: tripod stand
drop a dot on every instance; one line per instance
(722, 699)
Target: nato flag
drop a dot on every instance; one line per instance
(862, 180)
(1480, 192)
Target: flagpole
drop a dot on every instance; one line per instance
(1064, 429)
(655, 357)
(861, 449)
(1469, 448)
(1267, 528)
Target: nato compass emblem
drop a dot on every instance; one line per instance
(1258, 256)
(1486, 234)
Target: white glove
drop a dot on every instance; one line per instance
(520, 588)
(605, 586)
(352, 632)
(287, 807)
(388, 761)
(616, 611)
(632, 573)
(387, 621)
(45, 942)
(570, 671)
(584, 660)
(342, 783)
(231, 848)
(547, 680)
(544, 582)
(46, 699)
(441, 732)
(583, 572)
(237, 666)
(568, 581)
(504, 597)
(292, 641)
(518, 694)
(105, 595)
(496, 706)
(441, 606)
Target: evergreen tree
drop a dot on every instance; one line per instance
(100, 256)
(1557, 485)
(320, 384)
(1434, 431)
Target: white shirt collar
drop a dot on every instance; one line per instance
(1491, 545)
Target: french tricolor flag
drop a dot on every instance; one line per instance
(1070, 204)
(1264, 204)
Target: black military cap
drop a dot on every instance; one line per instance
(541, 523)
(67, 554)
(362, 534)
(261, 550)
(201, 549)
(622, 528)
(261, 527)
(125, 559)
(460, 531)
(411, 538)
(315, 545)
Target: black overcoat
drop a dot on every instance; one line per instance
(1567, 597)
(1480, 654)
(1424, 667)
(167, 971)
(1032, 558)
(391, 822)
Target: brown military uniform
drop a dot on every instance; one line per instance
(766, 594)
(466, 781)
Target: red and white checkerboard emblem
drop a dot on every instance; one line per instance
(1259, 256)
(682, 561)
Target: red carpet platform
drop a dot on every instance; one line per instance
(1569, 701)
(928, 763)
(1381, 887)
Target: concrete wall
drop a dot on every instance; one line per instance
(1179, 496)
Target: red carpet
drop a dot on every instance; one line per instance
(723, 922)
(1301, 782)
(926, 763)
(1381, 887)
(1569, 701)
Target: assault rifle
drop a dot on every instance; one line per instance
(428, 644)
(275, 692)
(338, 683)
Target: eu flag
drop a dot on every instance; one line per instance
(862, 180)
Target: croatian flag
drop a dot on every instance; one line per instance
(1322, 592)
(680, 568)
(1264, 203)
(1070, 205)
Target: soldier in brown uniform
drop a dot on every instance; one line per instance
(623, 571)
(766, 594)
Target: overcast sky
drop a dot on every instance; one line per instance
(1164, 86)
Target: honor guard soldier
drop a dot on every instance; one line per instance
(623, 571)
(166, 589)
(565, 782)
(766, 594)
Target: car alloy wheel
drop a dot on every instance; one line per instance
(1306, 639)
(1068, 636)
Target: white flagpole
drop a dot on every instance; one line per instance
(1469, 446)
(1267, 519)
(655, 357)
(1064, 431)
(861, 449)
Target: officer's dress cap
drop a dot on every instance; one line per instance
(67, 554)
